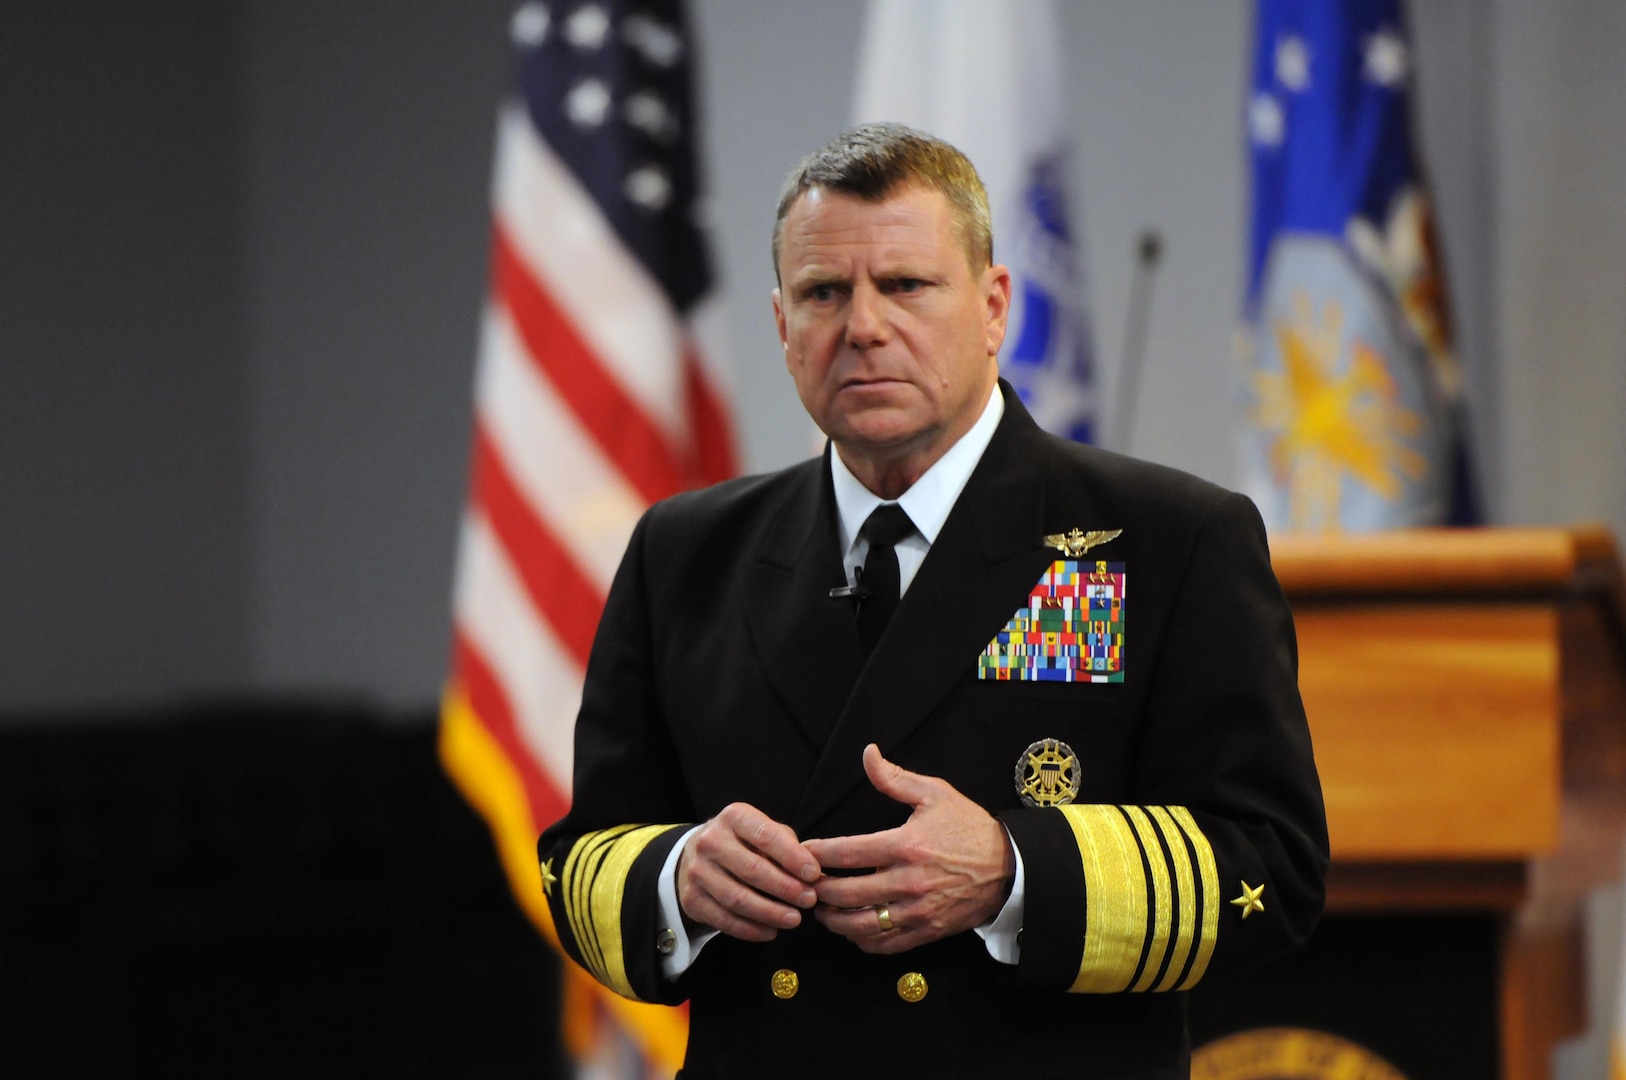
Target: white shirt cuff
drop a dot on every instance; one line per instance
(1000, 936)
(686, 949)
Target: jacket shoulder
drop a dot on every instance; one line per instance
(730, 517)
(1130, 487)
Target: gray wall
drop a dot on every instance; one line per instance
(1558, 283)
(366, 149)
(124, 506)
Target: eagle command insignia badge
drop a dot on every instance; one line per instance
(1047, 774)
(1070, 630)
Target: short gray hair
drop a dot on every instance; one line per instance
(872, 161)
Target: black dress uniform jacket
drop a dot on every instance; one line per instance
(723, 671)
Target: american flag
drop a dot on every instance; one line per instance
(595, 395)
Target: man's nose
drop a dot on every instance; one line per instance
(866, 318)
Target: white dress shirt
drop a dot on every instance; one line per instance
(927, 502)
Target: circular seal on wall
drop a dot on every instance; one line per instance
(1288, 1054)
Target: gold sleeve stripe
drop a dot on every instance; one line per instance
(1185, 883)
(1115, 905)
(581, 865)
(609, 886)
(1163, 906)
(1210, 894)
(596, 874)
(1151, 907)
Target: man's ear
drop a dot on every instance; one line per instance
(997, 290)
(779, 318)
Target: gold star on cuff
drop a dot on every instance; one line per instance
(1249, 900)
(548, 878)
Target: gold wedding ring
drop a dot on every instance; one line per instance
(884, 916)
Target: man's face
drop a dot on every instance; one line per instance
(889, 334)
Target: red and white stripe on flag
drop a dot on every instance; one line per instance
(595, 396)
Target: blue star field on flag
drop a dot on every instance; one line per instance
(606, 83)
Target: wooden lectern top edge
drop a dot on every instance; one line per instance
(1448, 561)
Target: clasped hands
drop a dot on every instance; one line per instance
(945, 870)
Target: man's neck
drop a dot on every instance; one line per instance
(929, 500)
(890, 479)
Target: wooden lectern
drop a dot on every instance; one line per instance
(1466, 691)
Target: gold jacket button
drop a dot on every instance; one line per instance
(912, 987)
(666, 941)
(785, 984)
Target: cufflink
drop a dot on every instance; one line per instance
(666, 941)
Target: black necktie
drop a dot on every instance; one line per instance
(886, 526)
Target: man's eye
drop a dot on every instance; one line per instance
(909, 284)
(821, 293)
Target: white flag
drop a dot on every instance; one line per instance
(987, 78)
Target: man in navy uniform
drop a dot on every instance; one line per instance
(879, 763)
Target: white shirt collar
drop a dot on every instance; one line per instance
(929, 500)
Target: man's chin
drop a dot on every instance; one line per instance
(879, 438)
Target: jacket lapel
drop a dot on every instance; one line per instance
(986, 558)
(806, 642)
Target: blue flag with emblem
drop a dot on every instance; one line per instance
(1352, 395)
(988, 79)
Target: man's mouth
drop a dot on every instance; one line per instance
(869, 381)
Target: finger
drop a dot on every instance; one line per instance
(862, 928)
(727, 885)
(896, 782)
(743, 902)
(708, 912)
(878, 849)
(896, 940)
(731, 846)
(739, 878)
(853, 924)
(711, 889)
(885, 887)
(772, 839)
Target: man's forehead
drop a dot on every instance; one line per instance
(907, 198)
(822, 224)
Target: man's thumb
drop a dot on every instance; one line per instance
(894, 781)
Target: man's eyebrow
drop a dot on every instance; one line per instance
(817, 276)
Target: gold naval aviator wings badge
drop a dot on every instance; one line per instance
(1047, 774)
(1076, 543)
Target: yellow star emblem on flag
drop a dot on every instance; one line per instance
(1324, 423)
